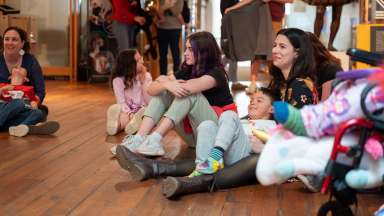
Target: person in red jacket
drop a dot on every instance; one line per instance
(125, 22)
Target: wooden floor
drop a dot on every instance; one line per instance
(71, 173)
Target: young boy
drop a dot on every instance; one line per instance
(231, 139)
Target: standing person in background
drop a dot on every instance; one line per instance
(232, 64)
(124, 22)
(337, 9)
(277, 9)
(252, 18)
(168, 33)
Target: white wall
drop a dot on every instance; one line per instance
(302, 15)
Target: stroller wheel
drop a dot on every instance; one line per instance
(335, 208)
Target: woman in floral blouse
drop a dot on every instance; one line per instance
(293, 70)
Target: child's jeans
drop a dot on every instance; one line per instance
(228, 133)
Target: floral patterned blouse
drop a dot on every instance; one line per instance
(300, 92)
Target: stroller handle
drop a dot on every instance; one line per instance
(374, 59)
(377, 119)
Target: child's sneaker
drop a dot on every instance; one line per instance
(134, 124)
(194, 174)
(151, 147)
(113, 118)
(210, 166)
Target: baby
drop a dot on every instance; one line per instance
(16, 89)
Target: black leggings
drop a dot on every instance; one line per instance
(238, 174)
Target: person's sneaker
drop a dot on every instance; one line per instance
(238, 86)
(134, 124)
(210, 166)
(113, 115)
(312, 183)
(131, 142)
(150, 147)
(19, 130)
(44, 128)
(194, 174)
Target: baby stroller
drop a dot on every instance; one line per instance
(341, 195)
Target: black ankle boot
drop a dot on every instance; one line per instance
(142, 168)
(173, 187)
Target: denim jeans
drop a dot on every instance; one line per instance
(15, 112)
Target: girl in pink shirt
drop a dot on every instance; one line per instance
(129, 81)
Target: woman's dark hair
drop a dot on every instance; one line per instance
(206, 52)
(23, 36)
(303, 67)
(321, 52)
(126, 67)
(273, 94)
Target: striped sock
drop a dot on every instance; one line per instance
(217, 153)
(213, 163)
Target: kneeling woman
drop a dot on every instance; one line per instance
(198, 92)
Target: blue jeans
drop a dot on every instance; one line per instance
(15, 112)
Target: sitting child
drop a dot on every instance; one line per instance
(19, 99)
(232, 139)
(130, 80)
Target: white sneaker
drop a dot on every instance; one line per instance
(131, 142)
(113, 115)
(134, 124)
(19, 130)
(150, 147)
